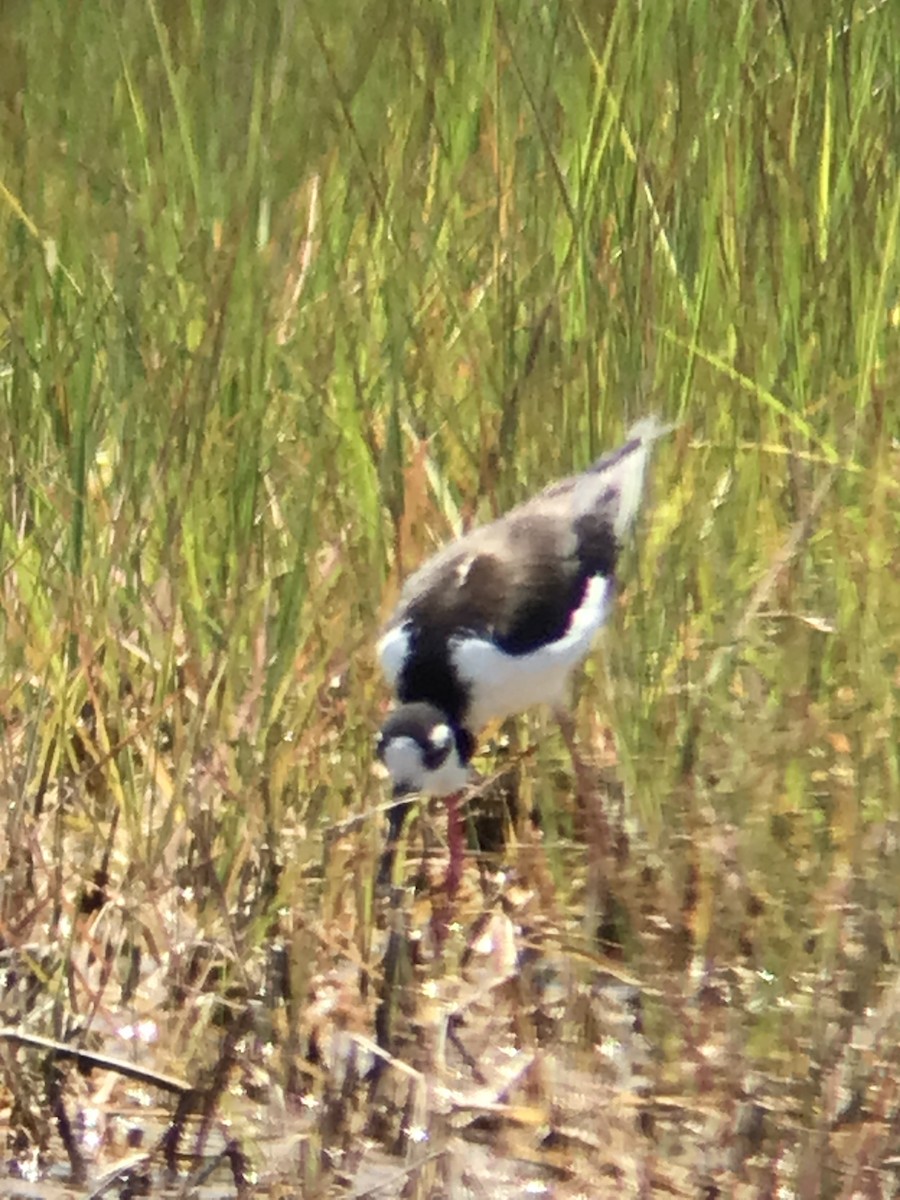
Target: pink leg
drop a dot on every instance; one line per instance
(456, 845)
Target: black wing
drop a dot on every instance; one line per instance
(518, 580)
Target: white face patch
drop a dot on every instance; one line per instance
(505, 684)
(403, 758)
(441, 736)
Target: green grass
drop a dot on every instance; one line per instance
(289, 294)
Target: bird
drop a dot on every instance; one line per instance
(496, 622)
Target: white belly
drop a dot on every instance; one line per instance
(505, 684)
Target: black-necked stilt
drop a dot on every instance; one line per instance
(496, 622)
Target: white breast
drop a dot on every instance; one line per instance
(505, 684)
(393, 649)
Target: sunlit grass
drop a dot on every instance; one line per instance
(289, 296)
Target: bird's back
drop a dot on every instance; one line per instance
(514, 588)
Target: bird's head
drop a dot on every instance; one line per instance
(425, 753)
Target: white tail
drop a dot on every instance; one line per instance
(629, 471)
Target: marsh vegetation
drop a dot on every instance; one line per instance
(290, 293)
